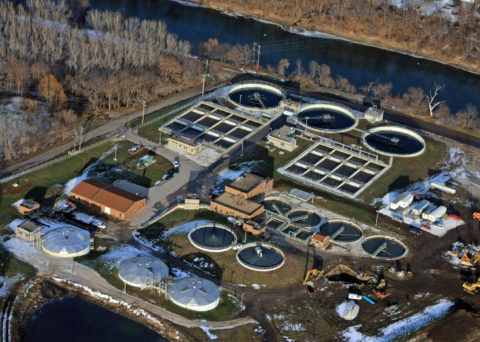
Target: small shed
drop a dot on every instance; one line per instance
(28, 231)
(320, 240)
(28, 206)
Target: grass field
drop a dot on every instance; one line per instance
(128, 164)
(231, 271)
(36, 185)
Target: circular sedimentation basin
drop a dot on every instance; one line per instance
(262, 257)
(252, 95)
(304, 218)
(394, 141)
(277, 205)
(341, 231)
(327, 118)
(212, 238)
(384, 247)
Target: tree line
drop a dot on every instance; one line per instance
(452, 37)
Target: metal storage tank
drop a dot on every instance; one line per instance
(67, 242)
(194, 294)
(143, 271)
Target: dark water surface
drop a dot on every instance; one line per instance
(360, 64)
(74, 320)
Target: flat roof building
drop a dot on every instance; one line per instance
(320, 240)
(283, 138)
(185, 144)
(234, 205)
(108, 198)
(249, 185)
(28, 206)
(28, 230)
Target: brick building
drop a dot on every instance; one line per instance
(234, 205)
(249, 185)
(320, 240)
(108, 199)
(28, 206)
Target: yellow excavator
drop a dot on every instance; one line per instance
(472, 261)
(312, 275)
(471, 287)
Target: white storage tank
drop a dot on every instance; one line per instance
(194, 294)
(67, 242)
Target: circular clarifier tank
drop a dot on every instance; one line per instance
(304, 218)
(212, 238)
(261, 257)
(384, 247)
(327, 118)
(256, 95)
(277, 206)
(394, 141)
(341, 231)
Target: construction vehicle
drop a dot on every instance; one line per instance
(471, 287)
(312, 275)
(476, 215)
(380, 286)
(468, 261)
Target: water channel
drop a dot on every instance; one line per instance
(360, 64)
(72, 319)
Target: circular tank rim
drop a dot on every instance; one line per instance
(304, 225)
(394, 129)
(212, 249)
(278, 198)
(333, 106)
(260, 269)
(255, 84)
(81, 252)
(131, 283)
(350, 223)
(389, 238)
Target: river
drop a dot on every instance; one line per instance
(360, 64)
(72, 319)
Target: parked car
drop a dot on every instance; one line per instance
(166, 176)
(99, 224)
(135, 148)
(176, 164)
(416, 231)
(68, 207)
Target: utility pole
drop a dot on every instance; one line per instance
(81, 129)
(115, 159)
(253, 53)
(143, 112)
(258, 56)
(205, 78)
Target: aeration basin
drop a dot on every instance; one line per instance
(341, 231)
(327, 118)
(384, 247)
(212, 238)
(256, 95)
(394, 141)
(262, 257)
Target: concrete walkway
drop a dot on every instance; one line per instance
(77, 273)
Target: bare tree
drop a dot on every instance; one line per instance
(431, 99)
(283, 65)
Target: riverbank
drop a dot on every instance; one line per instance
(299, 26)
(42, 290)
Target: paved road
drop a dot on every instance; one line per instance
(81, 274)
(163, 195)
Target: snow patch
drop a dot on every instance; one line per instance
(209, 334)
(402, 327)
(185, 228)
